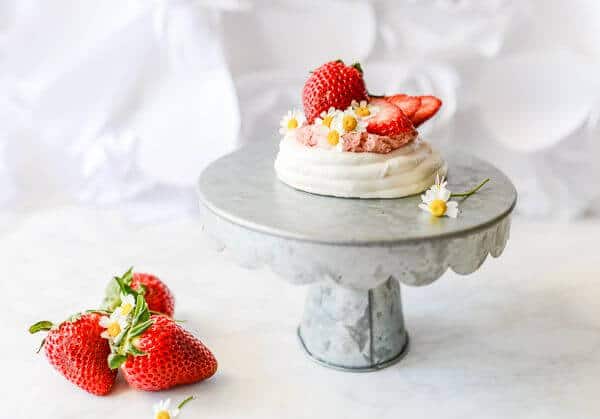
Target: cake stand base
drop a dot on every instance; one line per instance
(352, 253)
(352, 329)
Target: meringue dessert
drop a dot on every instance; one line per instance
(354, 145)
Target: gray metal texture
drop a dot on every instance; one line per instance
(350, 249)
(351, 329)
(242, 188)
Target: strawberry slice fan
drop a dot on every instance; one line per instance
(354, 254)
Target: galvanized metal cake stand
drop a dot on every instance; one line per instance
(354, 253)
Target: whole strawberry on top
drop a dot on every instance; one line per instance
(334, 84)
(153, 351)
(77, 350)
(158, 296)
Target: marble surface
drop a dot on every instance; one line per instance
(519, 338)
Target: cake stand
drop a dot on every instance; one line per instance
(353, 253)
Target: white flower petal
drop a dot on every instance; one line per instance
(104, 321)
(452, 209)
(425, 208)
(429, 196)
(443, 194)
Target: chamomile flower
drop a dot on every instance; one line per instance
(363, 109)
(326, 118)
(334, 138)
(116, 325)
(436, 200)
(127, 305)
(348, 121)
(162, 410)
(292, 120)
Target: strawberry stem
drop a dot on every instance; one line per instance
(185, 401)
(471, 192)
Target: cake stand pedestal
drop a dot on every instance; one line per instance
(354, 253)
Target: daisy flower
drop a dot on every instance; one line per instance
(127, 304)
(348, 121)
(292, 120)
(162, 409)
(334, 138)
(116, 325)
(436, 200)
(326, 118)
(363, 109)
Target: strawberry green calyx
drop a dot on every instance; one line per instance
(358, 67)
(112, 295)
(40, 326)
(138, 322)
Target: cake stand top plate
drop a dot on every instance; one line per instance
(242, 188)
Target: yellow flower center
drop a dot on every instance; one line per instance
(327, 120)
(163, 414)
(113, 329)
(333, 137)
(363, 111)
(292, 123)
(438, 207)
(349, 122)
(126, 309)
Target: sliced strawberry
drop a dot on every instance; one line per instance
(389, 119)
(429, 107)
(408, 104)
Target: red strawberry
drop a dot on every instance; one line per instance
(408, 104)
(389, 119)
(429, 107)
(334, 84)
(170, 356)
(76, 349)
(156, 293)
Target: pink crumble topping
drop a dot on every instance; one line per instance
(312, 135)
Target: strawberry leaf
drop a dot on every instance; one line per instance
(43, 325)
(140, 328)
(358, 67)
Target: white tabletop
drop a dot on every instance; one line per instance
(523, 341)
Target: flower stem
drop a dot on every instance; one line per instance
(472, 191)
(184, 401)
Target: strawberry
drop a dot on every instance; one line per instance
(172, 356)
(155, 353)
(389, 119)
(429, 107)
(334, 84)
(408, 104)
(76, 349)
(156, 293)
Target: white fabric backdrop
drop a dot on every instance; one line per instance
(122, 103)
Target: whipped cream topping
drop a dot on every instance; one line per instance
(405, 171)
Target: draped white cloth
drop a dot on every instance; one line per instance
(123, 102)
